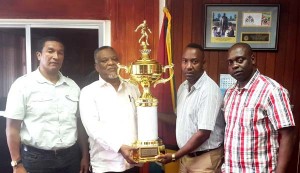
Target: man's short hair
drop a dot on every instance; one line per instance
(42, 41)
(243, 45)
(100, 49)
(196, 46)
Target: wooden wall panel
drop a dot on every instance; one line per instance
(187, 22)
(291, 45)
(49, 9)
(177, 32)
(197, 23)
(212, 69)
(282, 42)
(261, 61)
(270, 67)
(296, 93)
(295, 81)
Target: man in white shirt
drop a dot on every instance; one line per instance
(199, 123)
(108, 114)
(42, 124)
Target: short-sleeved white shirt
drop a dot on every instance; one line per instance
(110, 120)
(200, 108)
(48, 110)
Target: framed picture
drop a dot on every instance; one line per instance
(227, 24)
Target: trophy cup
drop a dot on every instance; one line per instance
(146, 72)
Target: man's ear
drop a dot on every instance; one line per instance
(253, 59)
(38, 55)
(96, 67)
(203, 63)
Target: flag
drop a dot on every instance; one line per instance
(167, 97)
(165, 93)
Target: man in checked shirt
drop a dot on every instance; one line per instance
(259, 132)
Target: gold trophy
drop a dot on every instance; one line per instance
(146, 72)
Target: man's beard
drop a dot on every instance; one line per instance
(113, 76)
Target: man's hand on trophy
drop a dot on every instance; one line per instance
(164, 158)
(127, 153)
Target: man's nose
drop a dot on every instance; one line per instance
(189, 65)
(235, 65)
(111, 61)
(55, 55)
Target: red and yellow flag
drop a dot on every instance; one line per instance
(166, 97)
(165, 93)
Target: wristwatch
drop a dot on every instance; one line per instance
(173, 157)
(14, 163)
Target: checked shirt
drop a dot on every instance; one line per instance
(253, 115)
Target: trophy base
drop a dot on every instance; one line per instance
(147, 150)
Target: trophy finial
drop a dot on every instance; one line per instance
(144, 28)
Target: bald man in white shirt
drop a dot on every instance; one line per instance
(108, 114)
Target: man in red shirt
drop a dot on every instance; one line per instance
(259, 128)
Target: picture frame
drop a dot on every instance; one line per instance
(227, 24)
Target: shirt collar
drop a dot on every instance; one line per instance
(199, 82)
(103, 83)
(250, 82)
(41, 79)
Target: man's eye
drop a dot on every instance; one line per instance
(240, 60)
(195, 61)
(230, 62)
(114, 59)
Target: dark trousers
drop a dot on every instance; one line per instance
(45, 161)
(131, 170)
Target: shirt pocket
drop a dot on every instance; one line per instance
(254, 116)
(71, 103)
(246, 119)
(40, 104)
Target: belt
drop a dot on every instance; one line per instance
(53, 152)
(198, 153)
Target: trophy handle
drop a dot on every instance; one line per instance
(126, 70)
(171, 71)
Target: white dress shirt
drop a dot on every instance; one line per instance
(48, 110)
(109, 117)
(197, 109)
